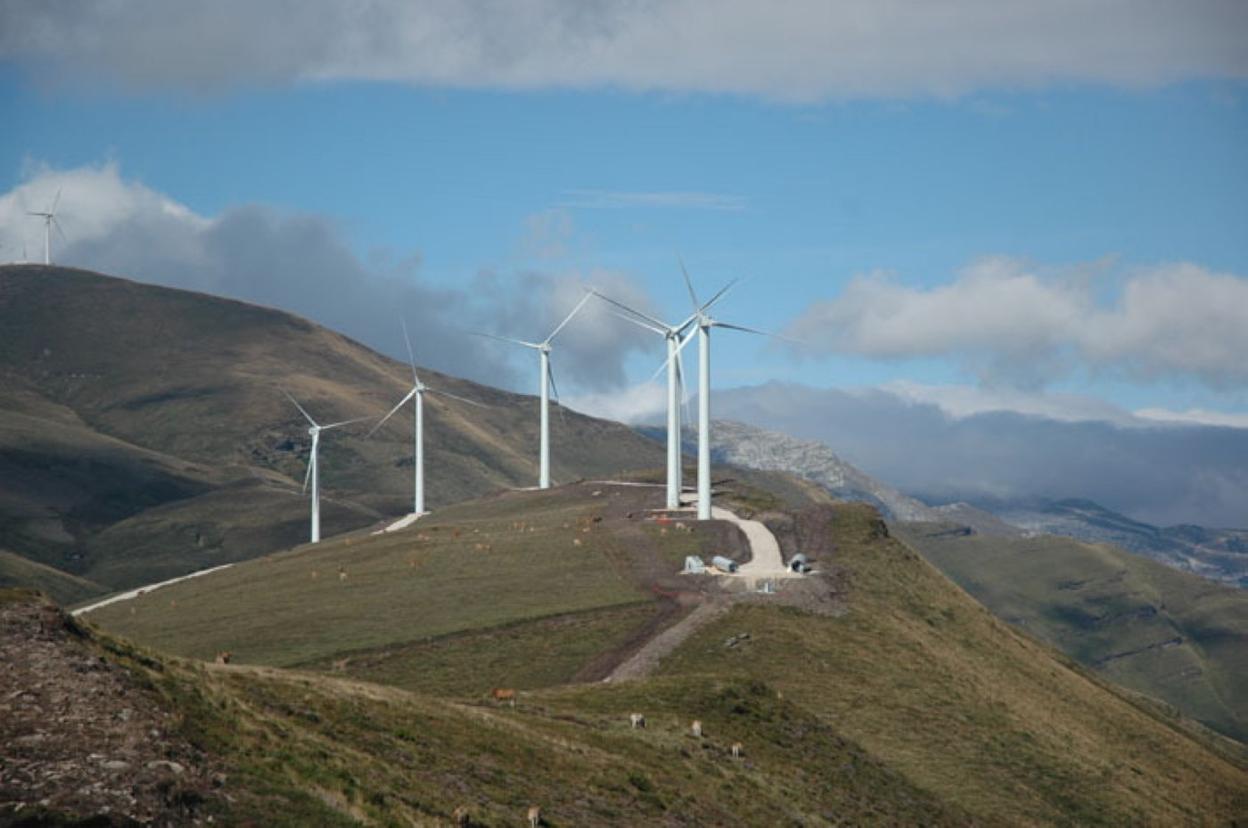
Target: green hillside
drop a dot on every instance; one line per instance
(876, 691)
(143, 434)
(61, 586)
(1139, 623)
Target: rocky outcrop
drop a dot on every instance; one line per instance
(81, 737)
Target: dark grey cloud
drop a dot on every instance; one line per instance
(799, 50)
(1162, 474)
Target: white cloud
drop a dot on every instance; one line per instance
(98, 202)
(637, 404)
(1012, 326)
(612, 199)
(1194, 416)
(798, 50)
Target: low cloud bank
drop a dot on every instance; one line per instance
(1160, 473)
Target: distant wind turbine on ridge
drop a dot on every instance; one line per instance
(545, 384)
(49, 219)
(417, 395)
(704, 323)
(675, 335)
(313, 473)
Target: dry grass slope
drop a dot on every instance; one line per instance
(895, 698)
(1170, 634)
(118, 399)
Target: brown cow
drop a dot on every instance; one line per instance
(535, 816)
(504, 694)
(224, 657)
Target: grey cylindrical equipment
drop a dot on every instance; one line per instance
(726, 564)
(799, 563)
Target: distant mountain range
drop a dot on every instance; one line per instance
(1217, 554)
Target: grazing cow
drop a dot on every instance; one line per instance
(637, 720)
(535, 816)
(696, 728)
(576, 541)
(342, 574)
(504, 694)
(460, 816)
(736, 750)
(224, 657)
(340, 666)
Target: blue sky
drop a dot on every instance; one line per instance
(799, 177)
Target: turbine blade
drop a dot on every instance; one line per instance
(668, 361)
(655, 324)
(688, 283)
(345, 422)
(680, 389)
(506, 339)
(719, 295)
(588, 295)
(719, 324)
(457, 397)
(55, 201)
(639, 322)
(411, 357)
(550, 374)
(307, 476)
(57, 224)
(382, 421)
(305, 414)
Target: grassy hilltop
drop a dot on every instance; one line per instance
(876, 691)
(143, 434)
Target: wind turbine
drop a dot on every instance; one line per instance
(49, 219)
(417, 395)
(705, 322)
(676, 336)
(545, 384)
(313, 473)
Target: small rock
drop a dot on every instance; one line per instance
(165, 764)
(115, 765)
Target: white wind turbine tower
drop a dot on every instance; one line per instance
(313, 473)
(49, 219)
(704, 323)
(417, 395)
(675, 335)
(546, 383)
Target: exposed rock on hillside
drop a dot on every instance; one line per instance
(81, 737)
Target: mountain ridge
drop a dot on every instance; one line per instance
(174, 397)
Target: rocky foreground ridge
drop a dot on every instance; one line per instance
(83, 738)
